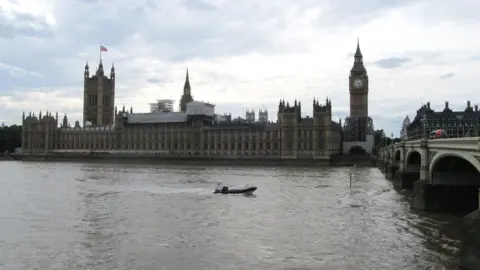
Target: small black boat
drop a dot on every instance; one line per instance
(247, 189)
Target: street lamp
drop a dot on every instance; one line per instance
(459, 118)
(424, 125)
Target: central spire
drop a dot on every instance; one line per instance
(358, 52)
(100, 68)
(358, 66)
(187, 94)
(186, 87)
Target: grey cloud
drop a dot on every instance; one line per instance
(393, 62)
(23, 24)
(445, 10)
(235, 28)
(356, 12)
(359, 12)
(475, 58)
(158, 81)
(153, 80)
(199, 4)
(163, 25)
(177, 31)
(446, 75)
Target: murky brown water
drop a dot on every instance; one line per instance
(118, 216)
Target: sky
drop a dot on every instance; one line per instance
(241, 54)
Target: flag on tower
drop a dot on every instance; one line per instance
(103, 48)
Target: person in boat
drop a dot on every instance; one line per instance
(224, 188)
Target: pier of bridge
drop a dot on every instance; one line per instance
(445, 177)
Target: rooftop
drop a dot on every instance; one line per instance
(156, 117)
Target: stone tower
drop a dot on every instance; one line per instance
(358, 82)
(289, 116)
(357, 125)
(98, 97)
(322, 128)
(187, 94)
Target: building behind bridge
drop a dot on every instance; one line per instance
(403, 132)
(195, 130)
(456, 124)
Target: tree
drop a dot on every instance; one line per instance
(10, 138)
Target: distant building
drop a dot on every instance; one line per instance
(263, 116)
(455, 123)
(403, 132)
(250, 115)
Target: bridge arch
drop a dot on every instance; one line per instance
(397, 156)
(413, 156)
(455, 169)
(413, 161)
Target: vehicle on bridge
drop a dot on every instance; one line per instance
(437, 134)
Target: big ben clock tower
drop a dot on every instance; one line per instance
(357, 125)
(358, 82)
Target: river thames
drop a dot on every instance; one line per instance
(145, 216)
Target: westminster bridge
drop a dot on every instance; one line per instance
(445, 177)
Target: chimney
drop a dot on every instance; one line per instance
(476, 108)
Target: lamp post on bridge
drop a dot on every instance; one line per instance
(424, 126)
(459, 118)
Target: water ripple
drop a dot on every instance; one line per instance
(147, 216)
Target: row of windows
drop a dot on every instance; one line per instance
(178, 137)
(93, 100)
(176, 146)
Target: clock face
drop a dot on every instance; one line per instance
(358, 83)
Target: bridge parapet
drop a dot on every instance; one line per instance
(423, 155)
(456, 144)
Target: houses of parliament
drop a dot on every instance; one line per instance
(195, 131)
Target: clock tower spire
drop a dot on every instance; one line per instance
(358, 86)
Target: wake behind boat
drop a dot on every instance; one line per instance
(223, 189)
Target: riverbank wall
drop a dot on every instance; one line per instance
(6, 158)
(106, 157)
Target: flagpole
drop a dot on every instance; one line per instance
(100, 48)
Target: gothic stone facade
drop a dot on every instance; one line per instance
(194, 131)
(456, 124)
(189, 135)
(98, 97)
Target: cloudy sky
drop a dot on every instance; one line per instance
(241, 54)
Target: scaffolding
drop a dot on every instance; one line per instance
(162, 105)
(356, 129)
